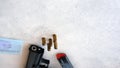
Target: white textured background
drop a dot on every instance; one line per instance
(88, 30)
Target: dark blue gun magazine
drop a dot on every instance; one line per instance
(63, 60)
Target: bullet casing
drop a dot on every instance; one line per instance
(49, 44)
(43, 40)
(55, 41)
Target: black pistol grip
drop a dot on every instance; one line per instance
(44, 63)
(35, 56)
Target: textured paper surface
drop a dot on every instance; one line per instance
(88, 30)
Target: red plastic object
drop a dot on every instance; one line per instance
(60, 55)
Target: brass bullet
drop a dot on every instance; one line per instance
(49, 44)
(55, 41)
(43, 41)
(48, 47)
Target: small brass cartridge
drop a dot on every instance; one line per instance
(55, 41)
(49, 45)
(43, 41)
